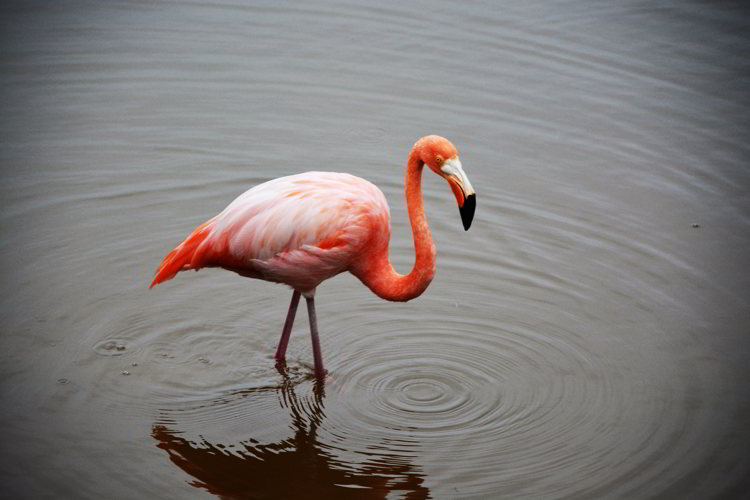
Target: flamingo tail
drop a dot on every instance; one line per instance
(183, 256)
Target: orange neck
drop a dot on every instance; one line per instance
(378, 273)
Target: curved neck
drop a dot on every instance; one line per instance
(379, 274)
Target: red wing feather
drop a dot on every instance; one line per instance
(182, 256)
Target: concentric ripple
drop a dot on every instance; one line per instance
(505, 396)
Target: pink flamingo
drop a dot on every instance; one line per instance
(305, 228)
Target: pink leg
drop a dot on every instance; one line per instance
(320, 372)
(287, 331)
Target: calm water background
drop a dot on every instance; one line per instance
(582, 340)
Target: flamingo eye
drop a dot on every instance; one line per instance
(439, 160)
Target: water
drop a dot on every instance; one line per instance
(582, 340)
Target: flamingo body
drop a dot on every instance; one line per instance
(299, 230)
(303, 229)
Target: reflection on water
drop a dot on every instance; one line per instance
(299, 466)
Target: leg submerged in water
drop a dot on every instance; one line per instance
(287, 331)
(317, 355)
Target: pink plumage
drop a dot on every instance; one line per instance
(298, 230)
(303, 229)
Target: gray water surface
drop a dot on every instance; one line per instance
(588, 337)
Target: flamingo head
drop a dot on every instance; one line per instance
(441, 156)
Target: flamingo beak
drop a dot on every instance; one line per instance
(465, 194)
(467, 211)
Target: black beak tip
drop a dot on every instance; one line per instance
(467, 211)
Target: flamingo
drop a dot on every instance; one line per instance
(303, 229)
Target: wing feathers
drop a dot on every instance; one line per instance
(297, 230)
(183, 256)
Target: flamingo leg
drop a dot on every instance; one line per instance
(287, 331)
(317, 355)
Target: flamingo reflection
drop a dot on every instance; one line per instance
(294, 468)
